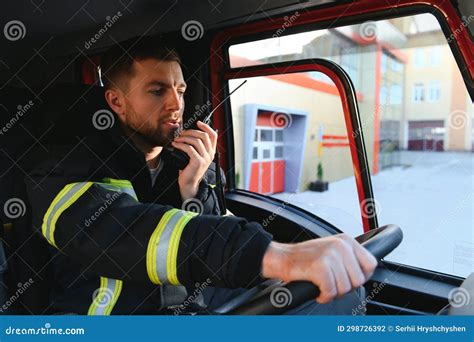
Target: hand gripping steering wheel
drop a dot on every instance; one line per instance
(379, 242)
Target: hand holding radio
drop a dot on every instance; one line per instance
(200, 147)
(193, 151)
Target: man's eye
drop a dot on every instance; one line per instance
(157, 92)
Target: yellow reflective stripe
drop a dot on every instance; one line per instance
(153, 244)
(119, 182)
(96, 300)
(172, 258)
(107, 296)
(66, 205)
(65, 198)
(116, 181)
(122, 185)
(60, 195)
(69, 194)
(162, 250)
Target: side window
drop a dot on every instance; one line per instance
(417, 123)
(302, 141)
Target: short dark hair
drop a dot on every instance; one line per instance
(118, 60)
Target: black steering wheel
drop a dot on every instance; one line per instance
(379, 242)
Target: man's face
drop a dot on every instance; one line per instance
(154, 100)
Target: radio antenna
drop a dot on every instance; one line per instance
(207, 119)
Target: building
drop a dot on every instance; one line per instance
(410, 92)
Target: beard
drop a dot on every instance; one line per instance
(153, 135)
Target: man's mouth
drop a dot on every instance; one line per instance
(172, 123)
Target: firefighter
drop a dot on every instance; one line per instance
(111, 207)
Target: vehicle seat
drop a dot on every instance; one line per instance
(60, 116)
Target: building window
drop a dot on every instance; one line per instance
(279, 135)
(266, 135)
(383, 95)
(435, 56)
(350, 60)
(396, 94)
(278, 151)
(255, 153)
(397, 66)
(434, 91)
(266, 154)
(419, 58)
(418, 92)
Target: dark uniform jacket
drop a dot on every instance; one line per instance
(117, 242)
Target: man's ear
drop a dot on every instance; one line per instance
(116, 100)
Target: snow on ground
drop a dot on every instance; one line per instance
(431, 197)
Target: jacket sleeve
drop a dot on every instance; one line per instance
(102, 225)
(206, 200)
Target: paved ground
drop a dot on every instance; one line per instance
(431, 198)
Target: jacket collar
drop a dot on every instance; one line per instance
(132, 160)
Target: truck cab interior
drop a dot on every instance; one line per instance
(340, 128)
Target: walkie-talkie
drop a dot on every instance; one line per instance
(180, 158)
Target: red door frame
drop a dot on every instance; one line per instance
(219, 58)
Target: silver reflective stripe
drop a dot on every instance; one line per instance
(130, 192)
(163, 247)
(58, 205)
(107, 296)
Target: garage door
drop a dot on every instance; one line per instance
(426, 135)
(268, 166)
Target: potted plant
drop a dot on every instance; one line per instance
(319, 184)
(237, 179)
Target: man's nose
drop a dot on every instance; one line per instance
(174, 101)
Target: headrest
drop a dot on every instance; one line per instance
(53, 116)
(68, 112)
